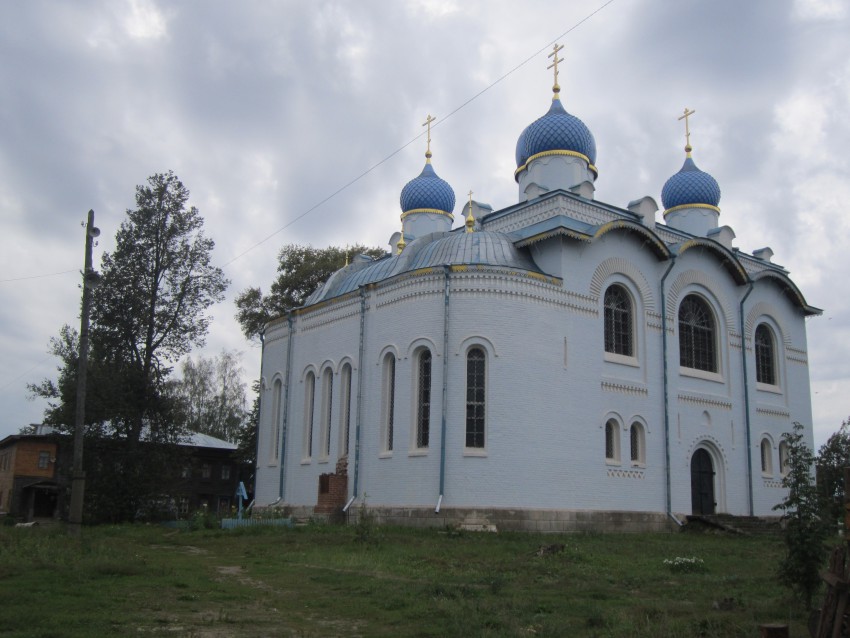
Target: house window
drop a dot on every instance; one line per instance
(43, 460)
(206, 471)
(697, 335)
(345, 407)
(766, 460)
(612, 441)
(327, 409)
(783, 458)
(423, 399)
(225, 472)
(619, 321)
(185, 472)
(183, 505)
(765, 355)
(389, 403)
(475, 398)
(309, 396)
(637, 444)
(277, 402)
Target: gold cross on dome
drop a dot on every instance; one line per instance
(555, 48)
(470, 220)
(428, 124)
(685, 117)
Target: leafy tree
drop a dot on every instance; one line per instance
(247, 440)
(211, 395)
(157, 285)
(150, 310)
(805, 531)
(301, 269)
(833, 457)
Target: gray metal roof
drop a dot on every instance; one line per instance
(456, 248)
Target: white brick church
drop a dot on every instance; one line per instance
(560, 364)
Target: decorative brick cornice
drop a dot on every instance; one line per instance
(624, 388)
(697, 399)
(626, 474)
(796, 355)
(777, 413)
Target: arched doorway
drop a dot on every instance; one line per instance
(702, 483)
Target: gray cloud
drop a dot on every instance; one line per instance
(265, 109)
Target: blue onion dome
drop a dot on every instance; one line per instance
(521, 155)
(690, 187)
(427, 193)
(556, 131)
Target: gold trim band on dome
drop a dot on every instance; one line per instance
(552, 153)
(681, 206)
(427, 210)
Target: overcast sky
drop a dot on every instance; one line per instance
(264, 109)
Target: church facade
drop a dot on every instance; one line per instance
(560, 364)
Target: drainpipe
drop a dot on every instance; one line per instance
(445, 389)
(747, 404)
(361, 367)
(262, 334)
(668, 487)
(284, 429)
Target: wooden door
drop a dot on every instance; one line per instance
(702, 483)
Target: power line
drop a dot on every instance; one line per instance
(404, 146)
(52, 274)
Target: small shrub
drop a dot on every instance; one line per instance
(365, 529)
(685, 565)
(805, 530)
(202, 519)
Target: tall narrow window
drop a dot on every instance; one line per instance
(475, 398)
(345, 407)
(389, 402)
(327, 410)
(309, 396)
(612, 441)
(619, 322)
(697, 335)
(423, 399)
(783, 458)
(765, 355)
(277, 403)
(766, 461)
(637, 443)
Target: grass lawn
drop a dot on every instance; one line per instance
(322, 581)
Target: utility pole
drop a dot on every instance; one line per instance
(91, 279)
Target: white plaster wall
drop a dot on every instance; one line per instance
(550, 388)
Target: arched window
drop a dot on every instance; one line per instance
(475, 398)
(765, 355)
(345, 408)
(612, 441)
(766, 460)
(327, 409)
(423, 399)
(637, 443)
(783, 458)
(277, 402)
(309, 396)
(619, 321)
(388, 408)
(697, 347)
